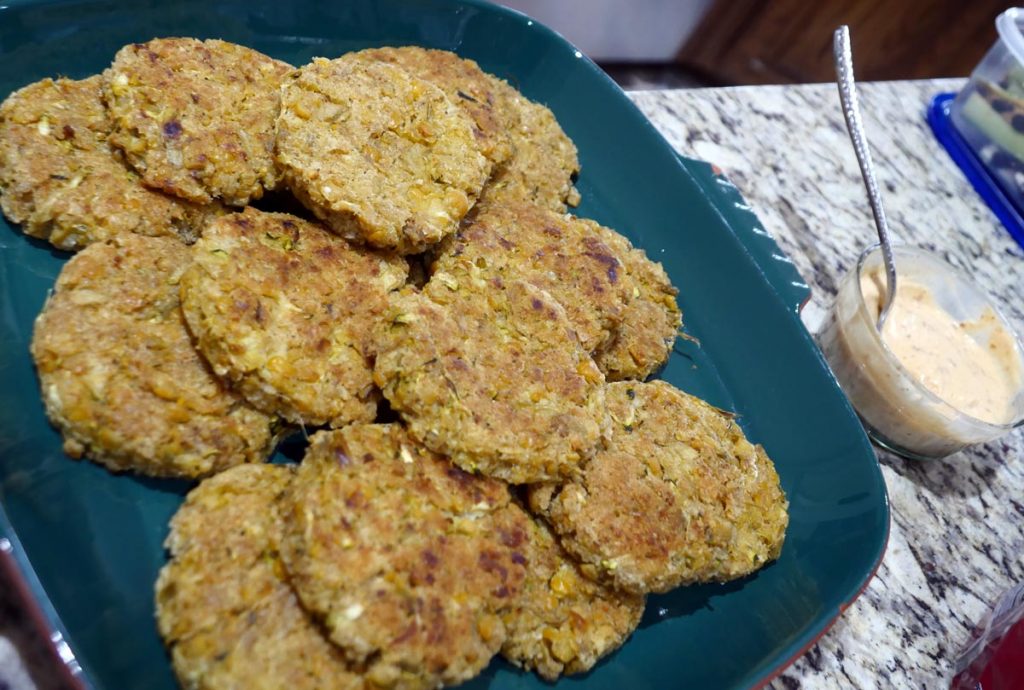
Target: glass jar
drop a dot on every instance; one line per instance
(897, 410)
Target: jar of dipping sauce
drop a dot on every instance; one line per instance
(946, 371)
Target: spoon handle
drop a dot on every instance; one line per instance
(854, 124)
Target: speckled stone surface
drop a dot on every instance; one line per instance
(957, 537)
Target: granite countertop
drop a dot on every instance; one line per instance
(957, 536)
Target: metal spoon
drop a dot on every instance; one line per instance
(855, 126)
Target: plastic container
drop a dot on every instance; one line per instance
(994, 657)
(897, 410)
(989, 111)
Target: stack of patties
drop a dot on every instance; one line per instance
(128, 167)
(506, 500)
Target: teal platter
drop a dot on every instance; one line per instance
(89, 543)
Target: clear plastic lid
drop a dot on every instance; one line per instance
(1008, 26)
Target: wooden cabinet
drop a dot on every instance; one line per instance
(790, 41)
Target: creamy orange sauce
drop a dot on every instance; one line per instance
(971, 365)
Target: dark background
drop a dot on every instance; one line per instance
(689, 43)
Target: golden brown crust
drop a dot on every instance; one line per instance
(466, 85)
(120, 377)
(284, 309)
(560, 254)
(535, 160)
(196, 118)
(408, 560)
(679, 496)
(223, 604)
(564, 622)
(543, 164)
(644, 339)
(60, 178)
(490, 373)
(381, 156)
